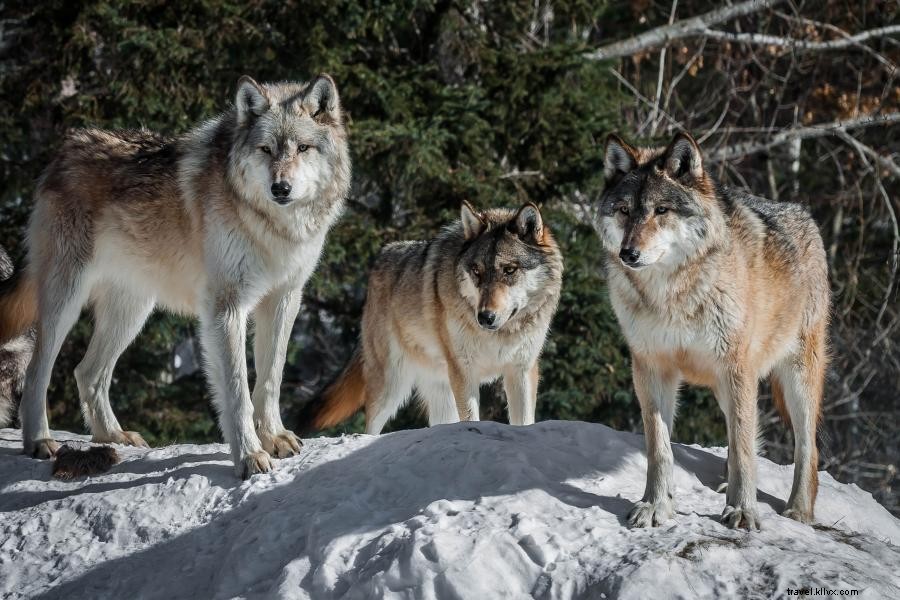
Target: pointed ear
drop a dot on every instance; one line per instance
(321, 99)
(472, 221)
(683, 157)
(620, 158)
(251, 100)
(529, 223)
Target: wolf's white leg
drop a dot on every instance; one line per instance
(224, 335)
(739, 392)
(60, 299)
(439, 401)
(273, 318)
(521, 393)
(657, 392)
(465, 393)
(118, 317)
(388, 392)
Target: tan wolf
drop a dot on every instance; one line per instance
(718, 288)
(226, 222)
(445, 315)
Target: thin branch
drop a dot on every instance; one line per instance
(643, 98)
(516, 173)
(802, 133)
(654, 118)
(796, 44)
(882, 161)
(700, 27)
(682, 29)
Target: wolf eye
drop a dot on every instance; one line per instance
(510, 269)
(623, 210)
(476, 271)
(661, 210)
(266, 149)
(302, 148)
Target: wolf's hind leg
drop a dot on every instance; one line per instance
(387, 392)
(118, 317)
(439, 401)
(60, 298)
(657, 391)
(801, 378)
(273, 319)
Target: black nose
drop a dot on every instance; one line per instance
(487, 318)
(629, 255)
(281, 189)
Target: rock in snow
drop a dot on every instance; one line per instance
(472, 510)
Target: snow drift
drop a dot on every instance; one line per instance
(472, 510)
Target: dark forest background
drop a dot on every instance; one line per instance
(499, 103)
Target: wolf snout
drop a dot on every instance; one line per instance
(281, 190)
(487, 319)
(629, 256)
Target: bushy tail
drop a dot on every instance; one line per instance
(778, 399)
(339, 401)
(18, 310)
(18, 305)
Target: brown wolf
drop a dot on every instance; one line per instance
(444, 316)
(226, 222)
(718, 288)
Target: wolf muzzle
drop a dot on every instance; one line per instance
(281, 192)
(630, 256)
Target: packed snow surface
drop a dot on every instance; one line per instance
(472, 510)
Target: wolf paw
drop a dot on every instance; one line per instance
(253, 463)
(42, 449)
(798, 515)
(126, 438)
(743, 517)
(650, 514)
(280, 445)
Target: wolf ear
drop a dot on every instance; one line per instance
(683, 157)
(472, 221)
(529, 223)
(251, 99)
(620, 158)
(321, 100)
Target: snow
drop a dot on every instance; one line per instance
(472, 510)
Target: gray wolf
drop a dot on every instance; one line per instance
(14, 354)
(226, 222)
(714, 287)
(445, 315)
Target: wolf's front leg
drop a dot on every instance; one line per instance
(465, 392)
(657, 390)
(224, 334)
(740, 496)
(273, 318)
(520, 385)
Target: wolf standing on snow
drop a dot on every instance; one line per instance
(445, 315)
(226, 222)
(717, 288)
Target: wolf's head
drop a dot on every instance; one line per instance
(509, 259)
(288, 139)
(659, 205)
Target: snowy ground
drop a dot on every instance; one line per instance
(476, 510)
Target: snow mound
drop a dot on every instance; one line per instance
(472, 510)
